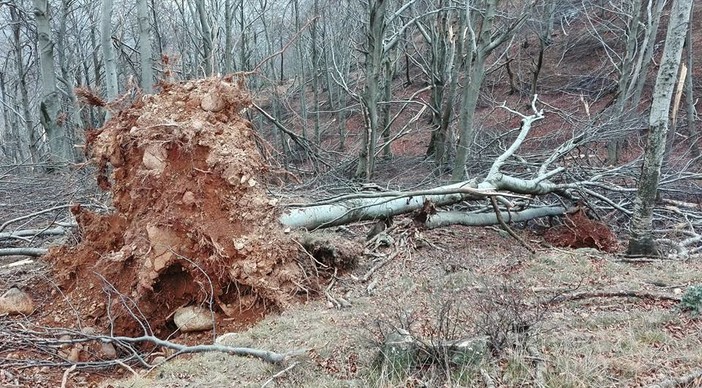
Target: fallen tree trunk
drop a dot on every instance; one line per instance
(360, 207)
(452, 217)
(23, 251)
(370, 206)
(60, 230)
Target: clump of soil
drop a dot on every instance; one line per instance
(579, 231)
(192, 223)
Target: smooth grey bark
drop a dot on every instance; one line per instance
(374, 206)
(483, 40)
(11, 143)
(654, 10)
(108, 51)
(205, 36)
(626, 69)
(157, 31)
(441, 38)
(370, 96)
(368, 206)
(302, 97)
(228, 42)
(147, 74)
(71, 127)
(692, 132)
(314, 72)
(483, 219)
(641, 241)
(29, 138)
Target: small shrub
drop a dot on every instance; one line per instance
(692, 300)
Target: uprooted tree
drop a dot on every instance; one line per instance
(193, 223)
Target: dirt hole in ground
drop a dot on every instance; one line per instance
(192, 223)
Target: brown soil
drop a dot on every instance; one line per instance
(579, 231)
(192, 224)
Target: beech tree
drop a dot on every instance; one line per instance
(641, 241)
(482, 38)
(59, 139)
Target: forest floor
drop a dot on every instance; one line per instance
(449, 283)
(488, 280)
(557, 317)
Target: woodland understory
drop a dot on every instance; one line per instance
(458, 180)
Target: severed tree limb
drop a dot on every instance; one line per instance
(507, 228)
(23, 251)
(33, 232)
(4, 225)
(461, 218)
(264, 355)
(612, 294)
(527, 121)
(682, 381)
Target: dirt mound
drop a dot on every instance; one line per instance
(579, 231)
(192, 223)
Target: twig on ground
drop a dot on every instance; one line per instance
(127, 367)
(264, 355)
(3, 226)
(487, 380)
(64, 379)
(275, 376)
(33, 232)
(379, 265)
(506, 227)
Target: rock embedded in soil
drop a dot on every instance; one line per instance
(193, 318)
(15, 301)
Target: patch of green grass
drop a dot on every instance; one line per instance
(692, 300)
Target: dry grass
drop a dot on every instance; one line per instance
(604, 342)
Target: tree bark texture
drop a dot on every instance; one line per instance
(147, 74)
(641, 240)
(108, 51)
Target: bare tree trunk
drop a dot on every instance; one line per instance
(72, 126)
(641, 240)
(30, 138)
(654, 11)
(147, 74)
(206, 37)
(228, 45)
(11, 143)
(60, 147)
(442, 43)
(370, 98)
(626, 76)
(314, 73)
(157, 32)
(483, 41)
(301, 71)
(689, 96)
(108, 51)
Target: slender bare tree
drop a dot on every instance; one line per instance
(147, 75)
(641, 241)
